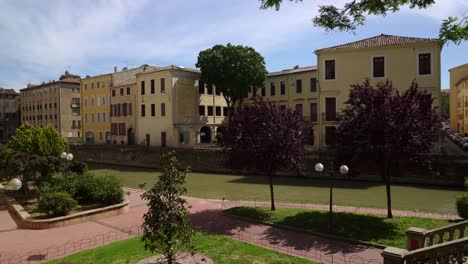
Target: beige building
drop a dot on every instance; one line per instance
(9, 113)
(56, 103)
(296, 89)
(398, 59)
(123, 112)
(459, 99)
(176, 109)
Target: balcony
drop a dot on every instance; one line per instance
(330, 117)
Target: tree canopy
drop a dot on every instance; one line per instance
(384, 125)
(353, 14)
(233, 69)
(263, 136)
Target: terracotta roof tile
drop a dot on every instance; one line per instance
(379, 41)
(291, 71)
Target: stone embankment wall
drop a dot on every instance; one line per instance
(450, 171)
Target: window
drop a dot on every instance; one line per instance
(124, 109)
(282, 87)
(86, 86)
(130, 109)
(92, 101)
(121, 91)
(153, 109)
(163, 85)
(424, 64)
(163, 139)
(143, 114)
(86, 118)
(142, 87)
(103, 117)
(109, 82)
(201, 87)
(152, 86)
(218, 111)
(98, 117)
(298, 86)
(92, 85)
(98, 101)
(329, 69)
(210, 110)
(103, 100)
(100, 135)
(272, 87)
(92, 118)
(378, 66)
(163, 109)
(330, 109)
(113, 92)
(313, 85)
(209, 89)
(263, 91)
(97, 84)
(313, 112)
(225, 111)
(128, 90)
(119, 107)
(217, 91)
(181, 138)
(201, 110)
(299, 108)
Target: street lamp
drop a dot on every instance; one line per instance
(13, 185)
(67, 156)
(343, 170)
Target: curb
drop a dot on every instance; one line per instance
(334, 237)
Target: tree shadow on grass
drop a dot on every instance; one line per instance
(308, 182)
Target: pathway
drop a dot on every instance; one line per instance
(35, 245)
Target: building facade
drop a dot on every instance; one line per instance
(9, 113)
(459, 99)
(57, 103)
(398, 59)
(296, 89)
(176, 109)
(123, 112)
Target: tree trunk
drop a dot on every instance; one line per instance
(272, 194)
(388, 189)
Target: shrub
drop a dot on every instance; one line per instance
(109, 190)
(462, 206)
(87, 188)
(56, 203)
(78, 167)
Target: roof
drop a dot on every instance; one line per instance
(8, 91)
(171, 67)
(34, 86)
(380, 41)
(292, 71)
(460, 67)
(126, 82)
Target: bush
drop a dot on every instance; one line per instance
(87, 188)
(109, 190)
(78, 167)
(462, 206)
(56, 203)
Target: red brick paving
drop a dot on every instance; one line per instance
(205, 214)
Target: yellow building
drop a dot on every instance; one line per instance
(96, 96)
(459, 99)
(176, 109)
(124, 112)
(398, 59)
(296, 89)
(56, 103)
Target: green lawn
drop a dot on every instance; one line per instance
(299, 190)
(218, 248)
(376, 229)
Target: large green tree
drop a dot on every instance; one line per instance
(354, 13)
(235, 70)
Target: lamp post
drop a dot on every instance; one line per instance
(343, 170)
(13, 185)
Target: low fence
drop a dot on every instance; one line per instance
(38, 256)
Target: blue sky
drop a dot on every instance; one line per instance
(41, 39)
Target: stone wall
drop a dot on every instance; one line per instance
(450, 171)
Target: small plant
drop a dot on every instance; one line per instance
(109, 190)
(462, 206)
(167, 229)
(56, 203)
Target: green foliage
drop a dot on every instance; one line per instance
(445, 106)
(462, 205)
(41, 141)
(167, 229)
(78, 167)
(108, 190)
(235, 70)
(354, 13)
(57, 203)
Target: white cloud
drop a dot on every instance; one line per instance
(442, 9)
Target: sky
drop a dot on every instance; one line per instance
(41, 39)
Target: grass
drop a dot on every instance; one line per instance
(218, 248)
(370, 228)
(298, 190)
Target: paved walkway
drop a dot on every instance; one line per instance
(37, 245)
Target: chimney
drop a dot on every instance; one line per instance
(115, 69)
(296, 67)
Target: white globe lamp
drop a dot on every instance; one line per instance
(63, 155)
(344, 169)
(69, 156)
(319, 167)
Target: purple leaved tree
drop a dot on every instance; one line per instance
(386, 126)
(264, 137)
